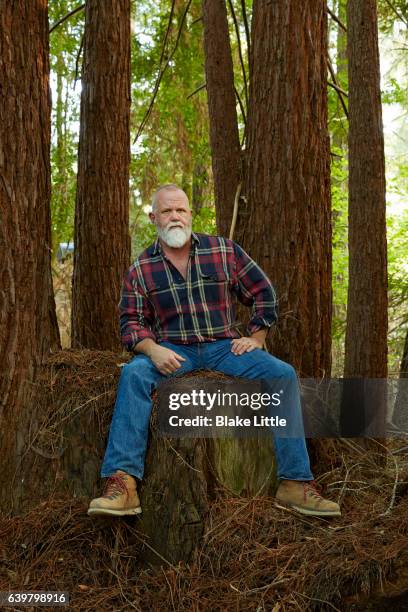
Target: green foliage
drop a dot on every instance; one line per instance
(173, 145)
(391, 12)
(395, 93)
(397, 240)
(175, 135)
(65, 43)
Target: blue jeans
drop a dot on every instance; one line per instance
(130, 422)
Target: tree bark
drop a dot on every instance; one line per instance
(366, 332)
(69, 423)
(28, 323)
(102, 244)
(224, 136)
(286, 224)
(400, 415)
(365, 401)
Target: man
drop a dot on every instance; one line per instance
(177, 313)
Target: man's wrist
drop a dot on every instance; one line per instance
(145, 346)
(260, 336)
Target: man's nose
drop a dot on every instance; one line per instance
(175, 216)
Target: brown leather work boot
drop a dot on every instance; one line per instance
(305, 498)
(119, 497)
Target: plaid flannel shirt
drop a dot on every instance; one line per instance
(157, 302)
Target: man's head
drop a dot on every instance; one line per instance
(171, 215)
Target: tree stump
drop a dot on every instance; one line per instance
(64, 448)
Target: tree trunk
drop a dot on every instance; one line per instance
(68, 429)
(366, 330)
(224, 136)
(366, 333)
(102, 244)
(400, 415)
(28, 324)
(286, 226)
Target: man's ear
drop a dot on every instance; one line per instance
(152, 217)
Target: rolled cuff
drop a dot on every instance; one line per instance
(130, 340)
(258, 323)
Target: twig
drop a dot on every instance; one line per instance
(162, 71)
(182, 458)
(398, 14)
(81, 45)
(67, 16)
(336, 19)
(319, 600)
(121, 589)
(241, 106)
(235, 212)
(241, 58)
(115, 552)
(394, 489)
(335, 86)
(341, 494)
(248, 37)
(170, 589)
(400, 450)
(203, 86)
(197, 20)
(166, 36)
(48, 455)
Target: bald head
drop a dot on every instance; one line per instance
(165, 190)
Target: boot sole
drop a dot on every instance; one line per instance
(310, 512)
(316, 512)
(109, 512)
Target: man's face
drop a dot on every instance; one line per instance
(172, 217)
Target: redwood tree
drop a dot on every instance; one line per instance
(400, 415)
(366, 332)
(102, 245)
(286, 227)
(224, 136)
(28, 324)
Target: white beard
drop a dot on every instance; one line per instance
(175, 237)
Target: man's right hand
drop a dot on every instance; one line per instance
(165, 360)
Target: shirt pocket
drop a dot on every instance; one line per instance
(214, 284)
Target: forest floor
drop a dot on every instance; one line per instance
(254, 554)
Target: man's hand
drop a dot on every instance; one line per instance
(245, 345)
(165, 360)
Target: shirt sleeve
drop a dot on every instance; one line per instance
(253, 288)
(135, 312)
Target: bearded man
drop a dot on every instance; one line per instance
(177, 313)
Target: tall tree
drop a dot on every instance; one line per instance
(286, 225)
(28, 324)
(224, 136)
(340, 127)
(366, 329)
(102, 245)
(400, 415)
(366, 332)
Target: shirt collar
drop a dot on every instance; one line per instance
(157, 246)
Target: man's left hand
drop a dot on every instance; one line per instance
(245, 345)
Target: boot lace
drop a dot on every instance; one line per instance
(115, 485)
(311, 488)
